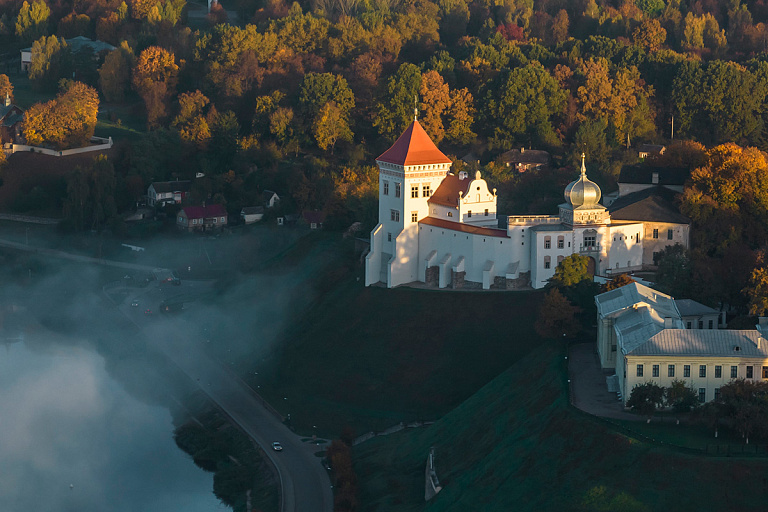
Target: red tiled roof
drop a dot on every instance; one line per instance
(447, 193)
(414, 147)
(205, 212)
(463, 228)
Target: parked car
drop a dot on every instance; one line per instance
(277, 447)
(135, 303)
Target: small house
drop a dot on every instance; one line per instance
(314, 219)
(11, 119)
(270, 198)
(202, 218)
(161, 193)
(646, 150)
(251, 214)
(79, 44)
(525, 159)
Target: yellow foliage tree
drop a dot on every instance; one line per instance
(154, 78)
(66, 121)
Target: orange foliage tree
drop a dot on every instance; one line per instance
(67, 121)
(154, 78)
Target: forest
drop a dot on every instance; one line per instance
(300, 98)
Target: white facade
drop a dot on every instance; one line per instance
(440, 228)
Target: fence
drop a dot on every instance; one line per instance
(97, 144)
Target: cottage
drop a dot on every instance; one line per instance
(11, 119)
(646, 150)
(202, 218)
(161, 193)
(525, 159)
(314, 219)
(251, 214)
(270, 198)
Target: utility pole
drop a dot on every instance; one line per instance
(673, 126)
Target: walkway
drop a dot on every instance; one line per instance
(589, 391)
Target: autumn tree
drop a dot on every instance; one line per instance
(757, 291)
(330, 125)
(649, 34)
(191, 121)
(556, 316)
(73, 25)
(571, 271)
(154, 78)
(67, 121)
(617, 282)
(6, 88)
(681, 396)
(90, 202)
(32, 21)
(115, 73)
(435, 101)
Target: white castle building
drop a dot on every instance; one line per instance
(441, 228)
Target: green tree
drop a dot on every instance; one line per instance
(395, 112)
(32, 21)
(681, 396)
(522, 103)
(50, 57)
(646, 398)
(317, 89)
(674, 270)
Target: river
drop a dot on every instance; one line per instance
(72, 438)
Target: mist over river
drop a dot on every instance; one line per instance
(72, 439)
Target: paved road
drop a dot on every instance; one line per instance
(306, 486)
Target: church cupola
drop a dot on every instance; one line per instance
(582, 193)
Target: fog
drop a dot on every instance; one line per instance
(87, 381)
(65, 422)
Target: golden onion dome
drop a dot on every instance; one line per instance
(582, 192)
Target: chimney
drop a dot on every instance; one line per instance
(669, 323)
(655, 178)
(462, 175)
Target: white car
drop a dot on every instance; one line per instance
(135, 303)
(277, 447)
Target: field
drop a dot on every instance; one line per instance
(518, 445)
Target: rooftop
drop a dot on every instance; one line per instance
(635, 293)
(414, 147)
(525, 156)
(643, 174)
(704, 343)
(447, 193)
(655, 204)
(463, 228)
(688, 307)
(205, 212)
(163, 187)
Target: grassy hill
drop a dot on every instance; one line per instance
(368, 358)
(518, 445)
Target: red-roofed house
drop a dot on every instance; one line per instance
(202, 218)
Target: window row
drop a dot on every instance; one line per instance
(711, 324)
(670, 234)
(469, 213)
(548, 261)
(385, 188)
(548, 242)
(671, 368)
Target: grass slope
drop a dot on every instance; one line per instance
(518, 445)
(370, 357)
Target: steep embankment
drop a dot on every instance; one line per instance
(517, 445)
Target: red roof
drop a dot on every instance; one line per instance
(463, 228)
(414, 147)
(205, 212)
(447, 194)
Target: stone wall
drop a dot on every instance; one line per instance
(523, 281)
(432, 276)
(457, 280)
(500, 282)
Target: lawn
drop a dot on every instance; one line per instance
(518, 445)
(368, 358)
